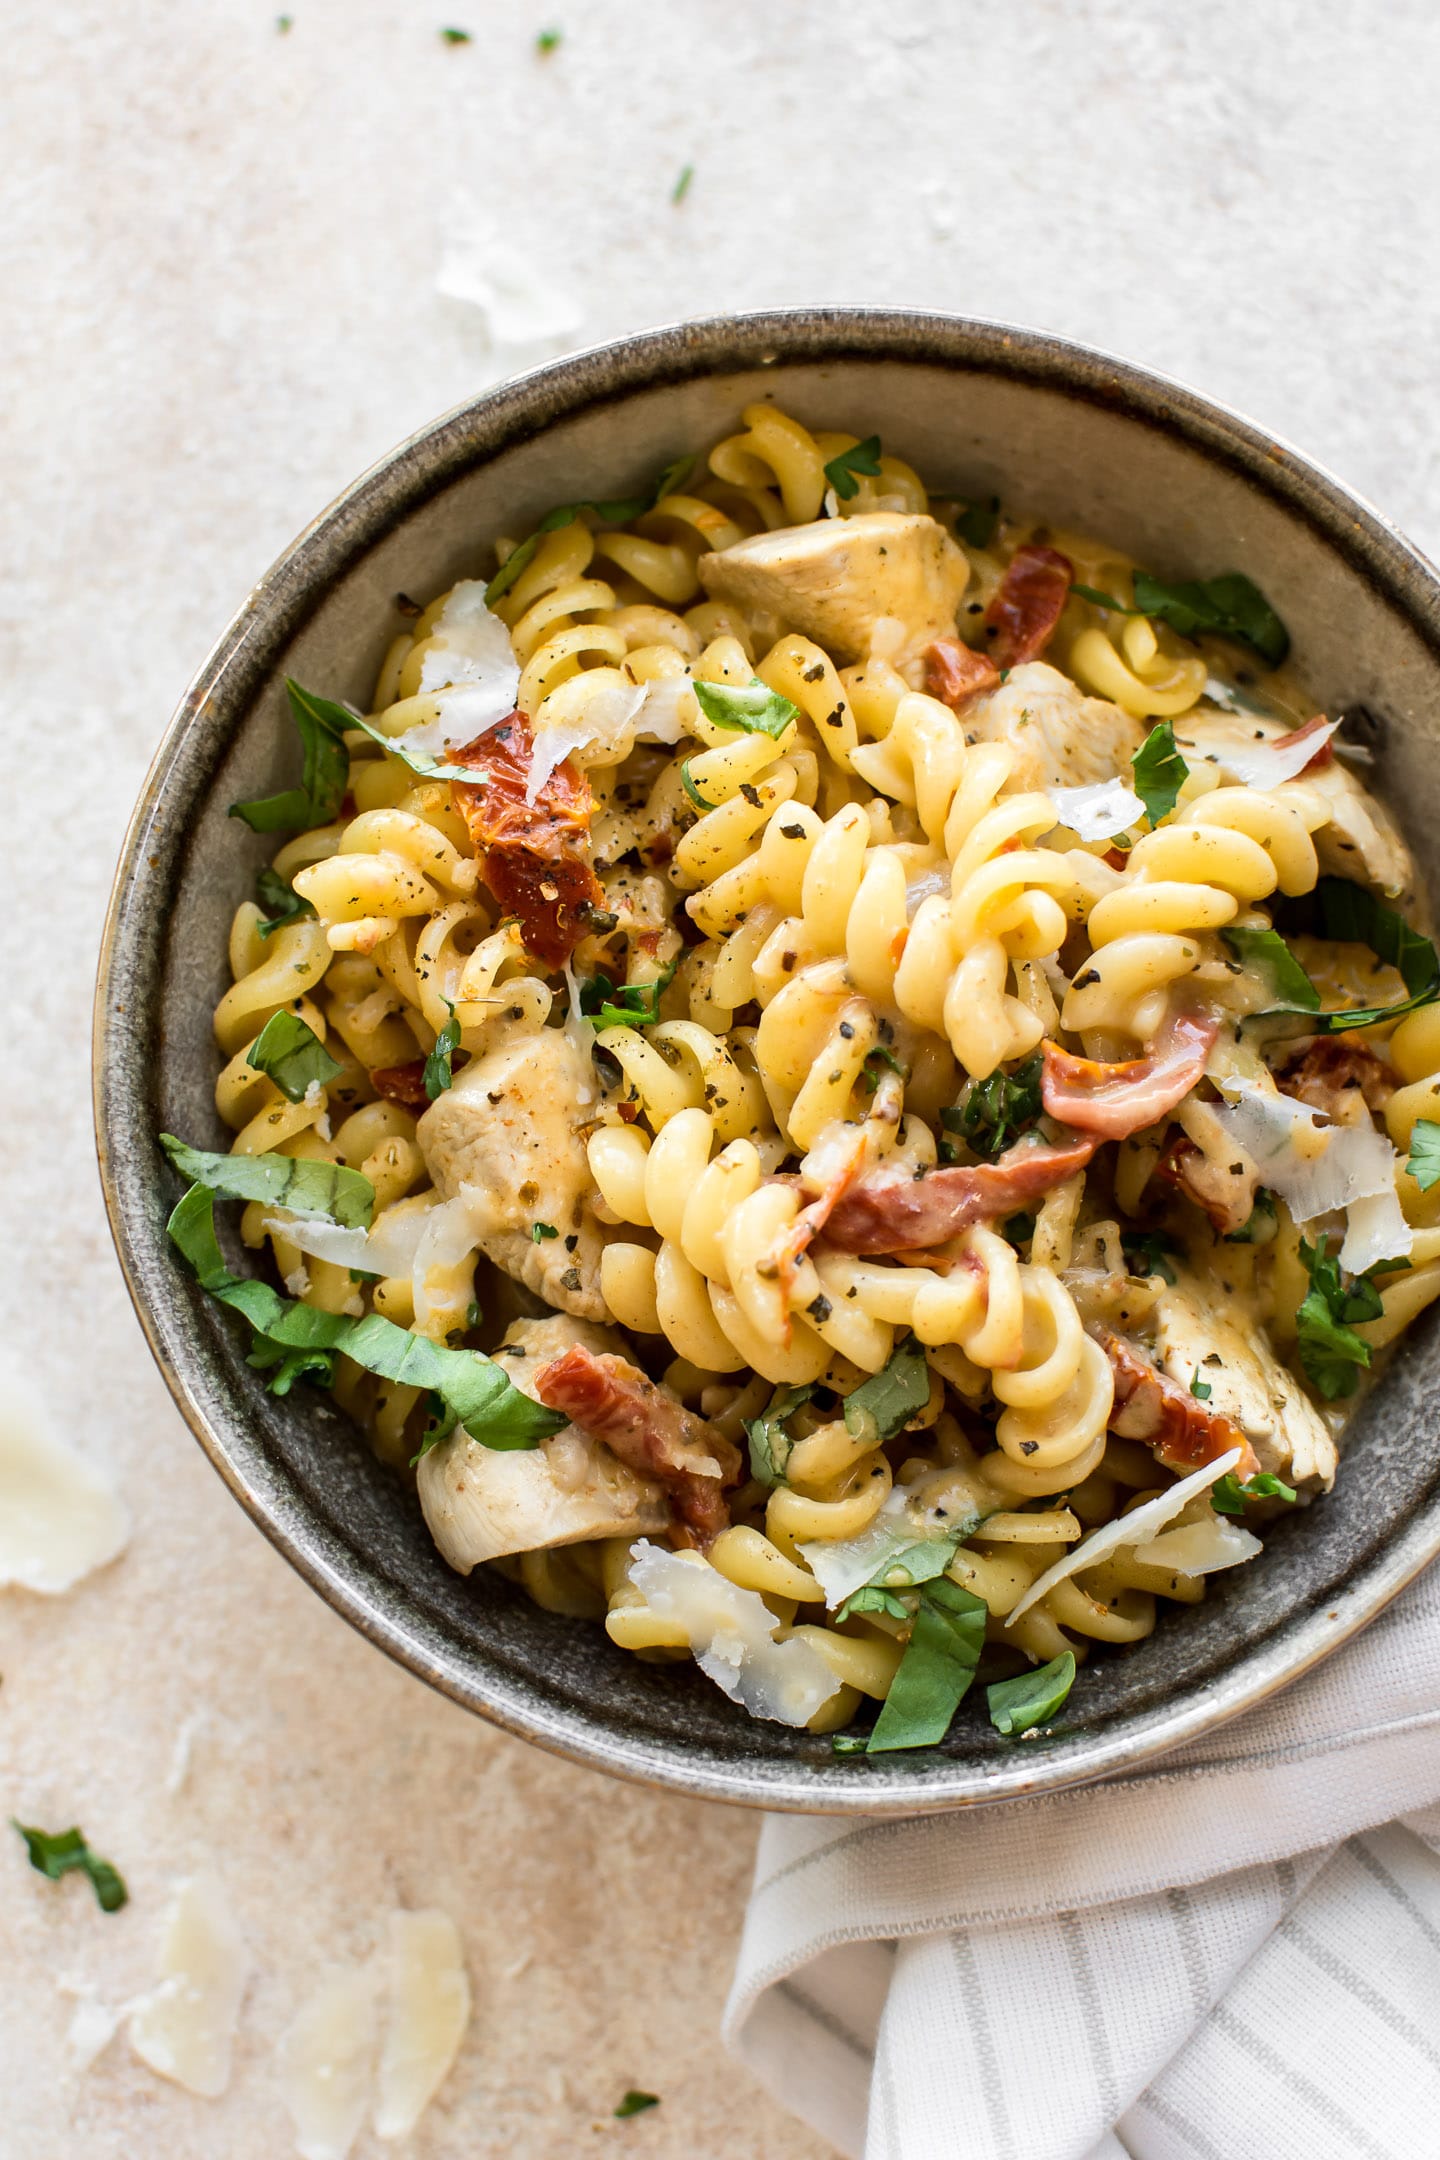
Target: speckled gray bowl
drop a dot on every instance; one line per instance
(1082, 439)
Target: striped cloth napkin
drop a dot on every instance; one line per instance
(1231, 1953)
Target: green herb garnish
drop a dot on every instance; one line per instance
(939, 1664)
(1349, 914)
(293, 1056)
(1260, 1224)
(539, 1231)
(701, 802)
(438, 1074)
(1330, 1350)
(635, 2103)
(548, 40)
(861, 458)
(1200, 1389)
(452, 36)
(1147, 1253)
(874, 1060)
(283, 903)
(605, 1005)
(975, 522)
(1031, 1698)
(1159, 772)
(1228, 1495)
(682, 186)
(321, 725)
(472, 1390)
(1423, 1161)
(906, 1567)
(770, 1443)
(610, 513)
(299, 1184)
(54, 1853)
(887, 1401)
(1268, 951)
(991, 1113)
(847, 1743)
(1231, 606)
(749, 708)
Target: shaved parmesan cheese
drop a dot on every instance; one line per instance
(1200, 1548)
(92, 2027)
(732, 1636)
(471, 667)
(1098, 812)
(925, 885)
(185, 2028)
(615, 715)
(1266, 763)
(1136, 1528)
(325, 2060)
(841, 1565)
(484, 269)
(59, 1519)
(388, 1249)
(1317, 1170)
(447, 1240)
(427, 2011)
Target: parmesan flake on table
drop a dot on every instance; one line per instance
(732, 1633)
(326, 2062)
(185, 2027)
(427, 2009)
(59, 1518)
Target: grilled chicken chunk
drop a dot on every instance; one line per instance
(481, 1503)
(1061, 737)
(506, 1135)
(1198, 1332)
(835, 580)
(1359, 839)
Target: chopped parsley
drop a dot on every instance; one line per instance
(860, 458)
(321, 725)
(1031, 1698)
(1232, 606)
(1330, 1350)
(751, 708)
(1147, 1253)
(1200, 1389)
(701, 802)
(875, 1059)
(975, 522)
(1260, 1225)
(610, 513)
(1351, 915)
(281, 901)
(451, 36)
(1423, 1161)
(682, 186)
(1159, 772)
(54, 1853)
(439, 1073)
(605, 1005)
(1228, 1495)
(539, 1231)
(990, 1113)
(635, 2103)
(292, 1055)
(548, 41)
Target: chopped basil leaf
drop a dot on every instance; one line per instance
(542, 1230)
(975, 523)
(474, 1391)
(1018, 1230)
(1260, 1225)
(54, 1853)
(1159, 772)
(438, 1075)
(1102, 599)
(1146, 1253)
(1267, 950)
(870, 1071)
(1351, 915)
(888, 1400)
(770, 1443)
(635, 2103)
(1423, 1161)
(870, 1597)
(750, 708)
(295, 1182)
(906, 1567)
(325, 772)
(292, 1055)
(862, 457)
(938, 1666)
(1031, 1698)
(1200, 1389)
(848, 1743)
(630, 1005)
(1230, 606)
(1330, 1350)
(1228, 1495)
(281, 899)
(701, 802)
(547, 41)
(682, 186)
(611, 513)
(991, 1113)
(419, 761)
(457, 37)
(285, 1367)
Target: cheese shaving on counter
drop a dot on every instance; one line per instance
(427, 2011)
(325, 2061)
(185, 2028)
(59, 1519)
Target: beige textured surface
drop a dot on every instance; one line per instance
(219, 254)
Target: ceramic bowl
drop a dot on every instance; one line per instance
(1078, 438)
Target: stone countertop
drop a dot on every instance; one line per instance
(221, 247)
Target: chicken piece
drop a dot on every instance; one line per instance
(1203, 1162)
(1359, 839)
(1201, 1331)
(649, 1428)
(836, 580)
(1061, 737)
(506, 1134)
(481, 1503)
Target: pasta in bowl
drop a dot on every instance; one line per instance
(843, 1079)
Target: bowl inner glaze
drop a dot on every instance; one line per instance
(978, 409)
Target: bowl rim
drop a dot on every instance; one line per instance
(469, 435)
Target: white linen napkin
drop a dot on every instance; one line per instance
(1216, 1956)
